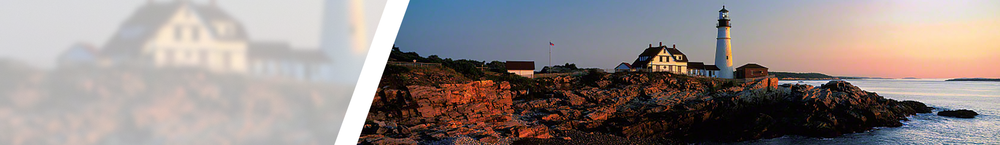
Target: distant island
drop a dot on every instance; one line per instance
(975, 79)
(812, 76)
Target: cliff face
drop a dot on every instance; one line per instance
(477, 109)
(632, 108)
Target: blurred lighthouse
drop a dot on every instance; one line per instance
(345, 39)
(723, 49)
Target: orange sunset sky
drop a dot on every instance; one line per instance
(886, 38)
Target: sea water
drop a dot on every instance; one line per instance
(924, 128)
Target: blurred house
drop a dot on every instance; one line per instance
(661, 59)
(751, 70)
(523, 68)
(183, 34)
(81, 54)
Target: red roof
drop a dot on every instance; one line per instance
(751, 65)
(520, 65)
(626, 65)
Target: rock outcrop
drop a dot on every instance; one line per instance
(917, 106)
(961, 113)
(637, 108)
(479, 109)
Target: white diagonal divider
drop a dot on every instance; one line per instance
(371, 72)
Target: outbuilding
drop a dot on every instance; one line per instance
(522, 68)
(623, 67)
(751, 70)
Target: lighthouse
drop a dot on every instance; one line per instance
(723, 49)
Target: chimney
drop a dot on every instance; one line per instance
(661, 43)
(675, 45)
(650, 45)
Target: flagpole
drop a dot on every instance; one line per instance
(550, 55)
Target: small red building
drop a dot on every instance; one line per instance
(751, 71)
(523, 68)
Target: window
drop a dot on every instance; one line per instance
(178, 30)
(168, 56)
(663, 59)
(222, 28)
(226, 60)
(194, 34)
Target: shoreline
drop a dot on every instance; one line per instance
(642, 107)
(975, 79)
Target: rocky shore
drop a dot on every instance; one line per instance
(426, 106)
(961, 113)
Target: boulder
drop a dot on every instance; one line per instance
(917, 106)
(962, 113)
(552, 117)
(840, 86)
(379, 139)
(538, 131)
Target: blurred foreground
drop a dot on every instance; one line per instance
(124, 105)
(184, 72)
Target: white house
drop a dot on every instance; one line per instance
(180, 34)
(661, 59)
(522, 68)
(189, 35)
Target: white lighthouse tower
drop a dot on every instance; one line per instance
(723, 49)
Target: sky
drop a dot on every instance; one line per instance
(885, 38)
(36, 32)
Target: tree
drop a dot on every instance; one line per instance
(568, 67)
(497, 66)
(434, 59)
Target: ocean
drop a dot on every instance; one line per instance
(926, 128)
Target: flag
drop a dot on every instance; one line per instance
(550, 44)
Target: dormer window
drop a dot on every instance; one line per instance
(224, 28)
